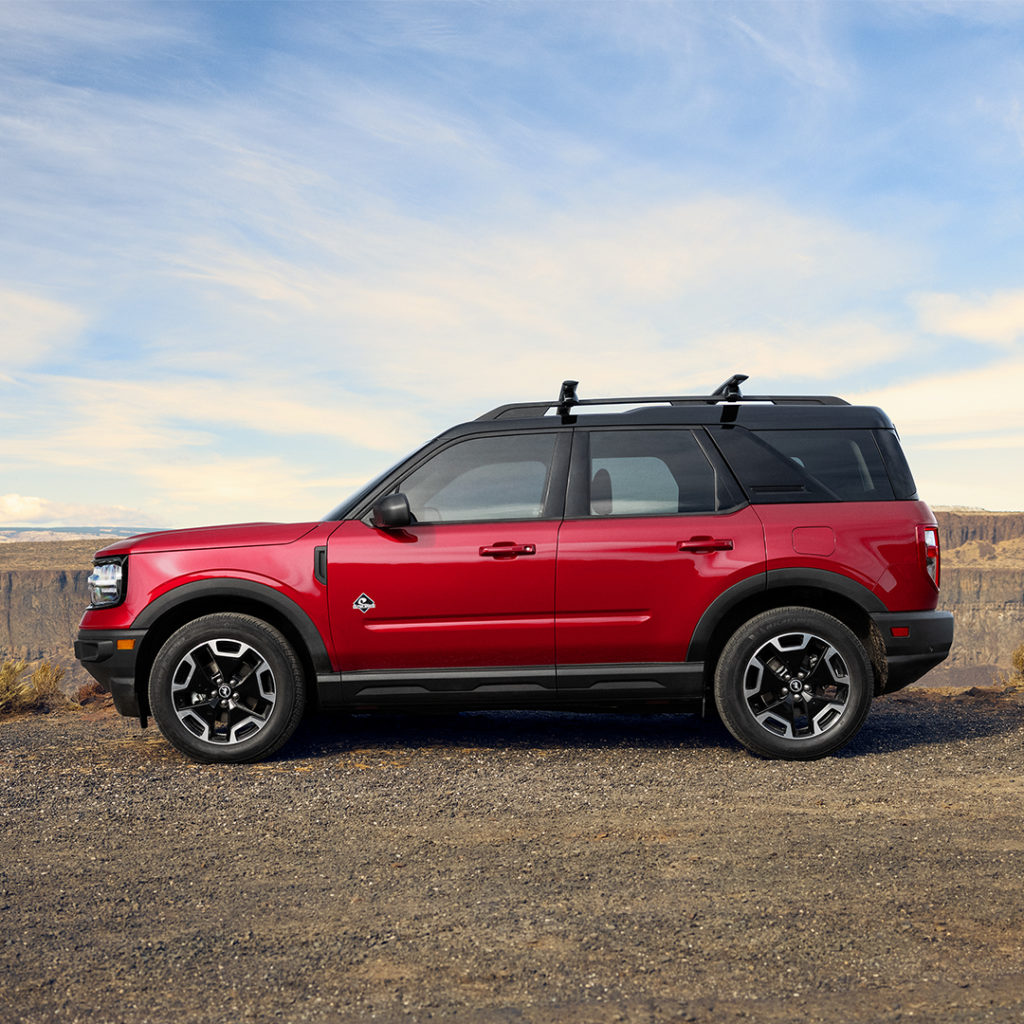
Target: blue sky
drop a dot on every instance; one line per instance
(253, 253)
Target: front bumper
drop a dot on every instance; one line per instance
(110, 657)
(915, 642)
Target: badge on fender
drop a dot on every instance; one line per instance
(363, 603)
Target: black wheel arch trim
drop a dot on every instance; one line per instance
(776, 579)
(248, 590)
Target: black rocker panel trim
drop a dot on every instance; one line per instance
(249, 590)
(665, 680)
(513, 686)
(477, 686)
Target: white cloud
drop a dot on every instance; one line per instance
(42, 29)
(978, 402)
(175, 412)
(963, 433)
(243, 489)
(986, 442)
(682, 290)
(792, 37)
(32, 328)
(27, 510)
(997, 318)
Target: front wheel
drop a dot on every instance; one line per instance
(793, 683)
(227, 688)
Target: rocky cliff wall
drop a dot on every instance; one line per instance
(39, 614)
(982, 584)
(959, 527)
(988, 605)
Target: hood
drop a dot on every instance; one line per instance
(240, 535)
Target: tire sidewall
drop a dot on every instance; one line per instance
(746, 641)
(270, 644)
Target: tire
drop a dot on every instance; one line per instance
(227, 688)
(793, 683)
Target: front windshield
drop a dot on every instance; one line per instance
(354, 501)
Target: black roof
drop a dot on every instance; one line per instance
(725, 405)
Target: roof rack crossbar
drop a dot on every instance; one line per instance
(727, 392)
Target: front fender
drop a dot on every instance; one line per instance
(248, 590)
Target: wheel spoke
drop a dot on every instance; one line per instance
(241, 728)
(826, 716)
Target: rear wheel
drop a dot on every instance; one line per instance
(228, 688)
(793, 683)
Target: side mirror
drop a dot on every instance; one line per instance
(392, 513)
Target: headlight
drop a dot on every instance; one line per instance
(106, 585)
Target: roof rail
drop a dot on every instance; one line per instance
(727, 392)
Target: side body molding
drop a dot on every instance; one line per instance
(777, 579)
(247, 589)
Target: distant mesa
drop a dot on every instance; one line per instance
(29, 534)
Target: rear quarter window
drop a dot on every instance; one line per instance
(778, 466)
(900, 477)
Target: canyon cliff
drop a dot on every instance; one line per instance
(43, 593)
(983, 586)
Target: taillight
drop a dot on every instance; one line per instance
(928, 544)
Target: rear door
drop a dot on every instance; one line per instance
(656, 528)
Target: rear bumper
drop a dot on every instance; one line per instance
(914, 643)
(110, 657)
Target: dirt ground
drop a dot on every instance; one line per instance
(517, 868)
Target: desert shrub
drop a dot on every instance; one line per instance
(90, 692)
(1014, 679)
(12, 685)
(24, 688)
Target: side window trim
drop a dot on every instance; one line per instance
(577, 498)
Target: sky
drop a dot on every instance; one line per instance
(253, 253)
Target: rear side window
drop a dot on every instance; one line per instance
(778, 466)
(653, 473)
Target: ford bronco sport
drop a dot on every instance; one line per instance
(764, 557)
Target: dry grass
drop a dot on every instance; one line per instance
(26, 687)
(91, 693)
(1013, 681)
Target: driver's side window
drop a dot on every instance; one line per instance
(483, 478)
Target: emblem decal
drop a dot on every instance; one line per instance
(363, 603)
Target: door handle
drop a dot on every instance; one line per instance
(507, 549)
(705, 545)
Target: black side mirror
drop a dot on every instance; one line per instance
(392, 513)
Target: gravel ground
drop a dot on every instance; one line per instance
(517, 868)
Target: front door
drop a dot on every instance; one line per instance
(461, 601)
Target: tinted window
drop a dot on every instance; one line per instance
(896, 463)
(807, 465)
(653, 472)
(483, 478)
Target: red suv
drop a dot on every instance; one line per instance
(767, 557)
